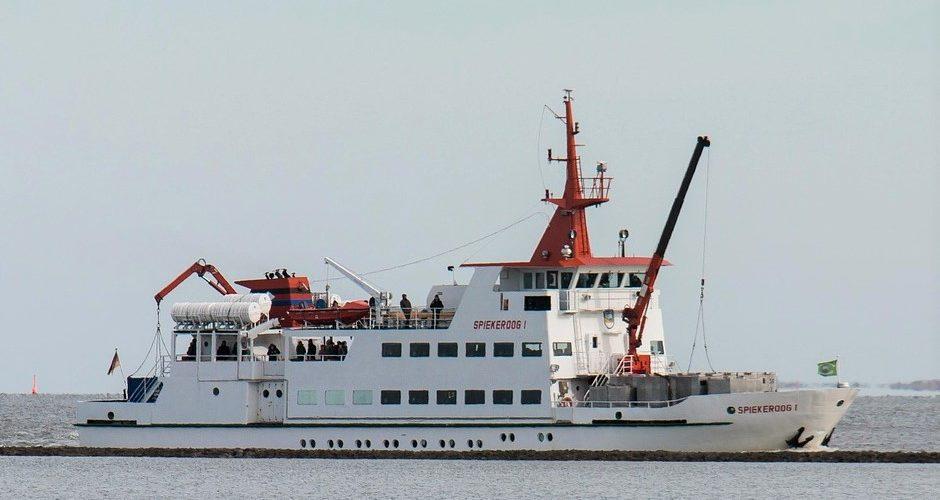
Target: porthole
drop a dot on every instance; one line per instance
(110, 415)
(479, 443)
(313, 443)
(424, 443)
(512, 437)
(502, 437)
(303, 443)
(541, 437)
(469, 443)
(385, 443)
(451, 443)
(215, 391)
(339, 443)
(443, 444)
(279, 393)
(841, 402)
(368, 443)
(395, 443)
(358, 443)
(265, 393)
(548, 436)
(330, 443)
(618, 415)
(414, 443)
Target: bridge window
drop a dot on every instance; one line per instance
(531, 349)
(604, 282)
(526, 281)
(305, 397)
(447, 349)
(476, 349)
(636, 280)
(537, 303)
(502, 397)
(619, 279)
(362, 397)
(335, 397)
(586, 280)
(447, 397)
(390, 397)
(391, 350)
(474, 397)
(551, 279)
(417, 397)
(503, 349)
(566, 279)
(532, 397)
(561, 348)
(420, 349)
(539, 280)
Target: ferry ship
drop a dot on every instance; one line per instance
(563, 351)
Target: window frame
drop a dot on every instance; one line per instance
(591, 276)
(447, 399)
(498, 396)
(529, 400)
(456, 352)
(414, 353)
(537, 303)
(523, 350)
(414, 395)
(391, 353)
(385, 399)
(497, 345)
(361, 392)
(467, 352)
(334, 392)
(563, 353)
(467, 400)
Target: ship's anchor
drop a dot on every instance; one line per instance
(825, 441)
(794, 442)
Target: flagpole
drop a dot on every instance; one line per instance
(838, 374)
(123, 377)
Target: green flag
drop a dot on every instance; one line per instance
(827, 368)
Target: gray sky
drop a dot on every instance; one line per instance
(136, 138)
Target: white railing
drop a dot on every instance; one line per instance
(616, 404)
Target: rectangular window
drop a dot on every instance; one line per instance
(537, 303)
(586, 280)
(551, 279)
(447, 349)
(619, 280)
(503, 349)
(447, 397)
(604, 282)
(531, 349)
(474, 397)
(561, 348)
(476, 349)
(391, 397)
(335, 397)
(636, 280)
(526, 281)
(362, 397)
(566, 280)
(420, 349)
(656, 347)
(539, 280)
(502, 397)
(532, 397)
(417, 397)
(391, 350)
(305, 397)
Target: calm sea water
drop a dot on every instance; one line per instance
(872, 423)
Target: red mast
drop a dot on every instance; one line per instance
(565, 240)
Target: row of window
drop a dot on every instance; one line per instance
(420, 397)
(555, 279)
(471, 349)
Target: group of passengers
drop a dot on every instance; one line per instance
(436, 307)
(329, 350)
(224, 352)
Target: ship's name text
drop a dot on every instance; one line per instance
(499, 324)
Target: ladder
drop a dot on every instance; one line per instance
(580, 352)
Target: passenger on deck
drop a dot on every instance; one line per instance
(301, 351)
(223, 352)
(330, 350)
(342, 350)
(273, 352)
(405, 305)
(436, 307)
(311, 350)
(191, 351)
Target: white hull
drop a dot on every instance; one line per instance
(699, 424)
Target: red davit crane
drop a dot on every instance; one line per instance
(199, 268)
(635, 316)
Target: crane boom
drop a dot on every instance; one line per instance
(199, 268)
(635, 316)
(355, 278)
